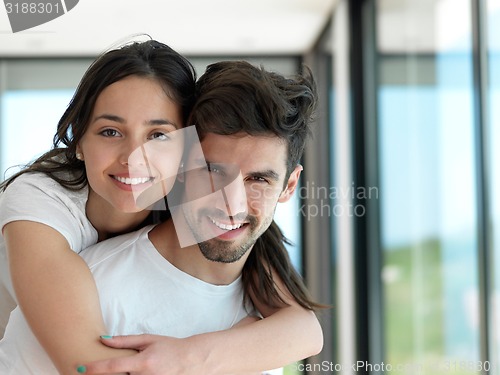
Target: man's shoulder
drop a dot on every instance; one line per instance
(108, 249)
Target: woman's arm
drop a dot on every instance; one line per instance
(57, 294)
(285, 335)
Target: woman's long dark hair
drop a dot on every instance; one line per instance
(149, 59)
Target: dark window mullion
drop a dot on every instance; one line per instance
(479, 57)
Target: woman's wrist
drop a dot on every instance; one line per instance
(201, 352)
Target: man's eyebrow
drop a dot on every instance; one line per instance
(268, 173)
(121, 120)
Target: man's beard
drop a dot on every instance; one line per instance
(223, 251)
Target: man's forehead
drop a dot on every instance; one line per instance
(245, 142)
(250, 152)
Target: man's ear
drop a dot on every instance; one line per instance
(291, 185)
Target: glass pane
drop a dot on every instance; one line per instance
(33, 96)
(427, 192)
(493, 22)
(29, 121)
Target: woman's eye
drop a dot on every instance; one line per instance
(110, 133)
(159, 136)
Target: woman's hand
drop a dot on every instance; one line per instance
(158, 355)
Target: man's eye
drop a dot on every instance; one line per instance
(259, 179)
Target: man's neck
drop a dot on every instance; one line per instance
(190, 259)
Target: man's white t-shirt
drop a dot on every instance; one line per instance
(142, 292)
(37, 197)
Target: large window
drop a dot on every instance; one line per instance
(32, 116)
(33, 97)
(428, 186)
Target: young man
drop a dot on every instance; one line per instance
(253, 125)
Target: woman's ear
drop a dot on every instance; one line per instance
(291, 184)
(180, 173)
(79, 154)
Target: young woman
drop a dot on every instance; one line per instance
(83, 193)
(77, 195)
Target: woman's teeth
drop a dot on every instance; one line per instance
(133, 180)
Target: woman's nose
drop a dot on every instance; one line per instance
(135, 154)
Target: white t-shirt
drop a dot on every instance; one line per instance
(37, 197)
(140, 292)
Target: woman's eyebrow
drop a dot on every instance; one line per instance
(163, 122)
(121, 120)
(109, 117)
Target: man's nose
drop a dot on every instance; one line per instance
(233, 198)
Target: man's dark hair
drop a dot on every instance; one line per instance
(235, 97)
